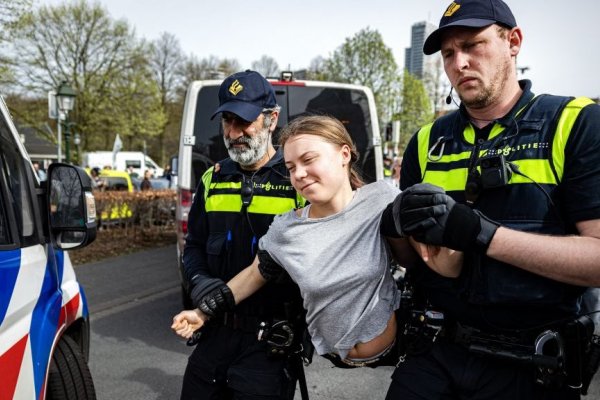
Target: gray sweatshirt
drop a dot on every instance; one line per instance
(341, 265)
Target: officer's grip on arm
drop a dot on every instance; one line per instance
(203, 286)
(430, 216)
(217, 302)
(407, 251)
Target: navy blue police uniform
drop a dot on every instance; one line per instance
(232, 209)
(552, 146)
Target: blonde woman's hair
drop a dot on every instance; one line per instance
(332, 131)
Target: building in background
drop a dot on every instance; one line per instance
(415, 61)
(429, 69)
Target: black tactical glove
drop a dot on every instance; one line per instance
(408, 223)
(428, 214)
(217, 302)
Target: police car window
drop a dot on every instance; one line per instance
(13, 170)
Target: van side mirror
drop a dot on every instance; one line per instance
(71, 207)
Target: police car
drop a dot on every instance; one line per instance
(44, 328)
(201, 140)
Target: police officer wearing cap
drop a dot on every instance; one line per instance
(233, 207)
(511, 180)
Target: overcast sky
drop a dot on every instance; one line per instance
(560, 44)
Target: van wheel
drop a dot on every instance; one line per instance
(69, 377)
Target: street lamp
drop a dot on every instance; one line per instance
(65, 99)
(77, 142)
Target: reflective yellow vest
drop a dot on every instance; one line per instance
(533, 144)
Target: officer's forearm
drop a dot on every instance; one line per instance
(569, 259)
(246, 283)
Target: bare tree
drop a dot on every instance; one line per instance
(102, 60)
(166, 62)
(12, 13)
(266, 66)
(212, 67)
(316, 69)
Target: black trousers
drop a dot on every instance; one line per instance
(231, 364)
(451, 372)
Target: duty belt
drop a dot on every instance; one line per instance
(244, 323)
(566, 354)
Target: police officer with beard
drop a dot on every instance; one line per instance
(233, 207)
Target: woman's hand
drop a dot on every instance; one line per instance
(187, 322)
(444, 261)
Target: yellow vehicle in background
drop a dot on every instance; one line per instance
(118, 181)
(113, 208)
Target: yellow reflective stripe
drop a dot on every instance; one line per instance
(469, 134)
(259, 204)
(497, 129)
(539, 171)
(563, 130)
(224, 202)
(456, 157)
(206, 178)
(226, 185)
(271, 205)
(454, 179)
(423, 146)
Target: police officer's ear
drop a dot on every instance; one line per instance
(515, 38)
(274, 118)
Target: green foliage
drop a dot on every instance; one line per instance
(364, 59)
(13, 14)
(416, 108)
(106, 65)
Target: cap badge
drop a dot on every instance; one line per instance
(235, 87)
(452, 8)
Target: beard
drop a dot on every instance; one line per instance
(254, 150)
(492, 91)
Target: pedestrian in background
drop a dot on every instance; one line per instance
(146, 184)
(512, 180)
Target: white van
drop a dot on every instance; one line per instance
(44, 327)
(123, 159)
(201, 141)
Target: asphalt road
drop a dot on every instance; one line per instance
(135, 356)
